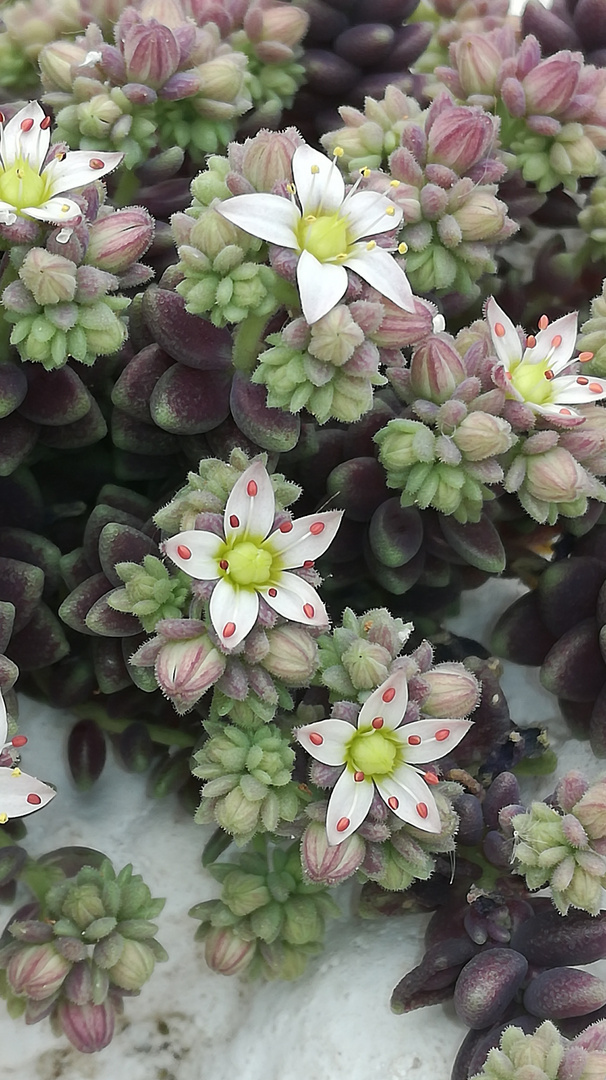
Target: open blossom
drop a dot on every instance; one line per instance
(28, 188)
(250, 560)
(534, 374)
(20, 794)
(382, 752)
(330, 230)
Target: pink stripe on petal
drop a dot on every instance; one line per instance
(233, 612)
(389, 702)
(335, 734)
(403, 792)
(248, 514)
(300, 544)
(350, 802)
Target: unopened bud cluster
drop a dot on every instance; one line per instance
(546, 1055)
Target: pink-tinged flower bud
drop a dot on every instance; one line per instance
(222, 82)
(590, 810)
(37, 971)
(50, 278)
(453, 691)
(226, 953)
(282, 23)
(481, 217)
(481, 435)
(460, 137)
(186, 669)
(292, 656)
(551, 84)
(88, 1027)
(56, 62)
(554, 476)
(118, 240)
(399, 328)
(570, 788)
(328, 864)
(167, 12)
(436, 369)
(512, 93)
(478, 63)
(267, 158)
(134, 967)
(151, 53)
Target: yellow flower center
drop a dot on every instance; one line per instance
(374, 752)
(324, 236)
(529, 380)
(247, 563)
(22, 186)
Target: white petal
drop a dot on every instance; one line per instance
(553, 410)
(203, 547)
(31, 145)
(379, 268)
(294, 599)
(318, 182)
(270, 217)
(565, 329)
(233, 612)
(366, 214)
(348, 806)
(75, 170)
(3, 722)
(56, 210)
(407, 794)
(306, 538)
(321, 286)
(251, 507)
(431, 739)
(8, 214)
(335, 734)
(21, 794)
(568, 390)
(388, 701)
(507, 345)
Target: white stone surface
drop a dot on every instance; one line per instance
(190, 1024)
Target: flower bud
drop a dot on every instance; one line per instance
(453, 691)
(460, 136)
(37, 971)
(50, 278)
(554, 476)
(88, 1027)
(134, 967)
(591, 811)
(56, 62)
(399, 328)
(403, 443)
(303, 922)
(118, 240)
(244, 893)
(186, 669)
(226, 953)
(481, 435)
(330, 864)
(83, 905)
(222, 81)
(481, 217)
(478, 62)
(281, 23)
(292, 656)
(268, 158)
(151, 53)
(550, 86)
(436, 369)
(367, 664)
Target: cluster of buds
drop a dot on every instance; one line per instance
(552, 125)
(73, 956)
(357, 655)
(562, 845)
(248, 774)
(547, 1053)
(450, 21)
(269, 919)
(592, 337)
(443, 174)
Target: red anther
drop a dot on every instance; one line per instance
(272, 592)
(96, 163)
(358, 777)
(18, 740)
(393, 803)
(582, 381)
(46, 123)
(377, 723)
(596, 387)
(286, 527)
(316, 738)
(32, 798)
(224, 564)
(431, 778)
(531, 341)
(27, 125)
(308, 610)
(414, 740)
(251, 488)
(543, 322)
(499, 329)
(389, 694)
(234, 521)
(549, 375)
(584, 357)
(308, 563)
(183, 552)
(229, 629)
(556, 341)
(442, 734)
(422, 809)
(342, 824)
(317, 528)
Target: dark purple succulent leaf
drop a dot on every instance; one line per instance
(477, 542)
(187, 338)
(366, 44)
(77, 605)
(449, 955)
(41, 642)
(271, 429)
(487, 985)
(566, 592)
(129, 502)
(122, 543)
(32, 548)
(71, 681)
(7, 621)
(549, 940)
(221, 441)
(564, 991)
(328, 74)
(360, 486)
(132, 466)
(574, 667)
(100, 516)
(74, 568)
(520, 634)
(471, 820)
(186, 401)
(86, 753)
(589, 24)
(487, 1040)
(12, 858)
(503, 791)
(104, 621)
(359, 437)
(17, 437)
(111, 671)
(13, 387)
(136, 748)
(21, 584)
(9, 673)
(398, 579)
(85, 432)
(597, 724)
(138, 437)
(133, 389)
(56, 398)
(395, 533)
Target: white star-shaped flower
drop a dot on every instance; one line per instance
(20, 794)
(250, 560)
(329, 229)
(534, 374)
(28, 188)
(382, 752)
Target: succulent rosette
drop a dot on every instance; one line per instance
(382, 752)
(250, 560)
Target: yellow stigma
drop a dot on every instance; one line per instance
(531, 382)
(22, 186)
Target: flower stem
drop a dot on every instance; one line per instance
(248, 336)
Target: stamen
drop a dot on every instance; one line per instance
(394, 183)
(33, 799)
(310, 218)
(556, 341)
(291, 189)
(46, 123)
(371, 244)
(596, 388)
(531, 341)
(338, 151)
(543, 322)
(584, 357)
(499, 329)
(402, 248)
(390, 211)
(582, 381)
(549, 375)
(365, 172)
(315, 170)
(27, 124)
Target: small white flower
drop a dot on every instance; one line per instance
(534, 373)
(252, 561)
(20, 794)
(330, 231)
(382, 752)
(28, 188)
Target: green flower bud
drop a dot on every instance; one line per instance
(303, 922)
(37, 971)
(134, 967)
(538, 1055)
(366, 663)
(50, 278)
(481, 435)
(83, 904)
(292, 656)
(244, 893)
(453, 691)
